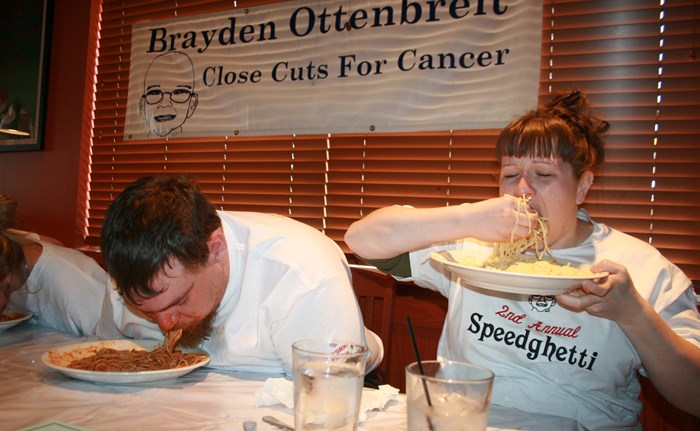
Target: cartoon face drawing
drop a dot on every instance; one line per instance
(168, 98)
(542, 303)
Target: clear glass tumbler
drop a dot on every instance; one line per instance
(449, 396)
(328, 379)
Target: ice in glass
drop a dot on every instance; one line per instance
(459, 395)
(328, 378)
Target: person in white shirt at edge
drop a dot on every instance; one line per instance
(242, 285)
(575, 354)
(62, 287)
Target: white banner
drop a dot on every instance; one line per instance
(304, 67)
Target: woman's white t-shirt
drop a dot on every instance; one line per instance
(65, 290)
(551, 360)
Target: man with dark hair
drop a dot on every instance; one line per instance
(242, 285)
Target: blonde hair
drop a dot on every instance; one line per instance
(12, 258)
(8, 212)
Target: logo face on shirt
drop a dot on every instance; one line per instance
(542, 303)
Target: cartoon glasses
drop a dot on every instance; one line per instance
(179, 95)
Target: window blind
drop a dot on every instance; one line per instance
(634, 59)
(636, 62)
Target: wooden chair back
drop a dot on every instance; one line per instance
(375, 293)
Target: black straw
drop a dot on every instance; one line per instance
(420, 367)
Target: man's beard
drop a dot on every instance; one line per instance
(195, 335)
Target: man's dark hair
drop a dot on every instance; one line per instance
(155, 219)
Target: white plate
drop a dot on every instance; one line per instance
(4, 326)
(510, 282)
(59, 358)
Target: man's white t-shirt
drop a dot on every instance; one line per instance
(288, 282)
(551, 360)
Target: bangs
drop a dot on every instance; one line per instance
(536, 137)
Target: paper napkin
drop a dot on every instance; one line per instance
(280, 390)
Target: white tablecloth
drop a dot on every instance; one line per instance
(207, 399)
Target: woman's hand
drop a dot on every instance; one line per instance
(501, 219)
(612, 297)
(671, 362)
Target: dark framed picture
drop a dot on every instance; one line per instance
(24, 65)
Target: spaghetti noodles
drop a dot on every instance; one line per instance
(164, 357)
(11, 316)
(510, 257)
(525, 264)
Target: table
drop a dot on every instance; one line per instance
(206, 399)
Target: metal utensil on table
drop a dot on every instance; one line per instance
(278, 423)
(250, 426)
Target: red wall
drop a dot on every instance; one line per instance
(46, 182)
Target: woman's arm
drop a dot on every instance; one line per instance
(391, 231)
(671, 362)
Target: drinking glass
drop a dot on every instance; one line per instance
(328, 379)
(449, 396)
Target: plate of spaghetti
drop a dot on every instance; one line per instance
(525, 275)
(11, 319)
(522, 266)
(125, 361)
